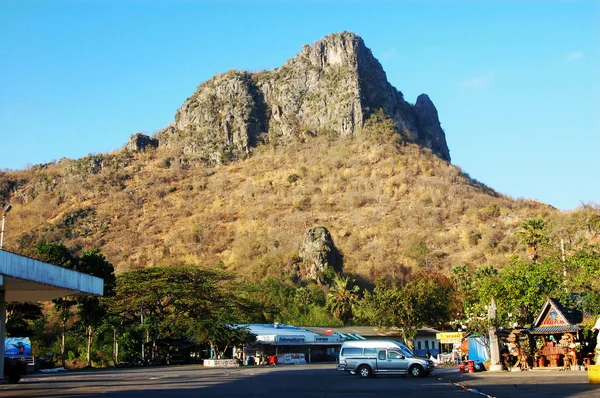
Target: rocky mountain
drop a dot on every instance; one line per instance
(335, 84)
(315, 166)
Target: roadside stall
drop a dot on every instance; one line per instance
(555, 338)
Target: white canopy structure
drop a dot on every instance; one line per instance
(26, 279)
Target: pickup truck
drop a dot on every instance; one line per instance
(390, 362)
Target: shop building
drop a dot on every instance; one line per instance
(292, 344)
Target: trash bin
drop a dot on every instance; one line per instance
(461, 368)
(471, 365)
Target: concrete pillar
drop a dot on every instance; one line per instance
(496, 365)
(2, 327)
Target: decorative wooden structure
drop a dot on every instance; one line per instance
(557, 329)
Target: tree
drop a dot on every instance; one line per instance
(532, 234)
(584, 277)
(93, 309)
(427, 300)
(342, 298)
(181, 301)
(58, 254)
(22, 319)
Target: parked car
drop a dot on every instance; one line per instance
(369, 347)
(385, 359)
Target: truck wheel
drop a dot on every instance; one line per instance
(416, 371)
(365, 371)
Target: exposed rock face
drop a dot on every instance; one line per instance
(139, 142)
(318, 252)
(432, 136)
(226, 114)
(333, 84)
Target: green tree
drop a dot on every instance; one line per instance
(58, 254)
(92, 310)
(22, 319)
(474, 291)
(427, 300)
(182, 301)
(342, 298)
(584, 277)
(533, 235)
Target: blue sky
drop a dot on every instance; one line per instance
(516, 83)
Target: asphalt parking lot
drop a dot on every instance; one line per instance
(294, 381)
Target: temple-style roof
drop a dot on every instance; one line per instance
(555, 318)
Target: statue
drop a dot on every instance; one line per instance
(597, 327)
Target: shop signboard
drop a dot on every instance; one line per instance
(327, 339)
(291, 339)
(449, 337)
(265, 339)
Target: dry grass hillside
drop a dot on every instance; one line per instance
(391, 208)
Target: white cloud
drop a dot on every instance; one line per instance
(575, 56)
(479, 81)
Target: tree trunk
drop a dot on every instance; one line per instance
(62, 344)
(90, 334)
(115, 347)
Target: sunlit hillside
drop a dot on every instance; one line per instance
(391, 208)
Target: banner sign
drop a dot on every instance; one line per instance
(295, 359)
(17, 346)
(449, 337)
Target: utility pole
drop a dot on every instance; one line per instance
(563, 257)
(143, 336)
(6, 210)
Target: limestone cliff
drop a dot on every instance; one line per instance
(335, 84)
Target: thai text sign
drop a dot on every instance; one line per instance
(449, 337)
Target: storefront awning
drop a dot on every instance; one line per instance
(553, 329)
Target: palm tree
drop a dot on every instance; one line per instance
(342, 298)
(533, 236)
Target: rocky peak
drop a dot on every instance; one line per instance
(336, 49)
(431, 133)
(333, 84)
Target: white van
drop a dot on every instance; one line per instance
(356, 348)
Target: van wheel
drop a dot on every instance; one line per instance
(365, 371)
(416, 371)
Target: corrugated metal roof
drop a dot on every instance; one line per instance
(552, 329)
(369, 331)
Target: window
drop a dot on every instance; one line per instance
(418, 345)
(381, 355)
(394, 355)
(427, 344)
(433, 345)
(370, 351)
(351, 351)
